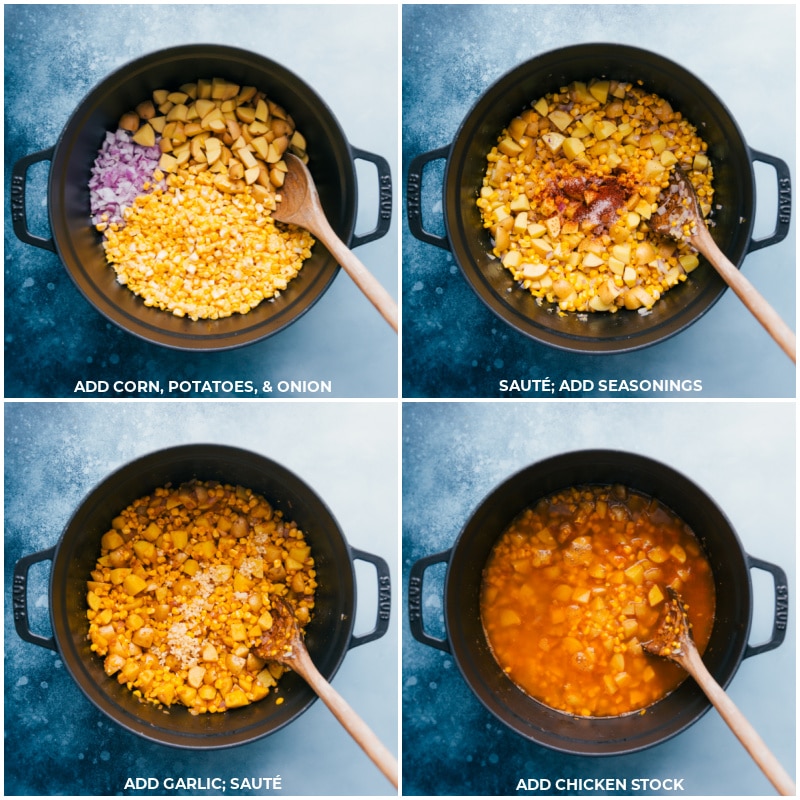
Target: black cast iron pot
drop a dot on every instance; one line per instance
(466, 641)
(79, 245)
(465, 166)
(329, 635)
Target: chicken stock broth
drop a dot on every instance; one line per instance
(576, 584)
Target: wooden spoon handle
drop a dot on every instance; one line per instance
(355, 726)
(749, 295)
(737, 722)
(362, 277)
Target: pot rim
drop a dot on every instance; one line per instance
(203, 737)
(160, 327)
(575, 735)
(615, 336)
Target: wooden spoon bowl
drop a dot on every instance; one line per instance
(284, 644)
(300, 205)
(673, 640)
(679, 218)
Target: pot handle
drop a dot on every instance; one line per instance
(384, 195)
(19, 593)
(784, 213)
(19, 217)
(415, 583)
(781, 606)
(384, 598)
(414, 198)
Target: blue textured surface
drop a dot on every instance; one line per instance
(453, 345)
(53, 336)
(56, 742)
(454, 454)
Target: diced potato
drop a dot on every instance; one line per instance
(151, 532)
(534, 271)
(658, 555)
(93, 600)
(668, 158)
(572, 645)
(557, 615)
(562, 289)
(553, 140)
(689, 262)
(520, 203)
(678, 553)
(213, 149)
(561, 119)
(145, 136)
(644, 210)
(205, 549)
(111, 540)
(144, 550)
(581, 130)
(580, 93)
(608, 291)
(630, 627)
(572, 147)
(599, 90)
(645, 253)
(623, 679)
(562, 593)
(616, 266)
(187, 695)
(133, 584)
(238, 632)
(265, 678)
(143, 637)
(536, 230)
(542, 246)
(540, 106)
(581, 595)
(636, 574)
(509, 147)
(236, 699)
(509, 617)
(129, 122)
(118, 575)
(178, 113)
(241, 583)
(604, 129)
(655, 596)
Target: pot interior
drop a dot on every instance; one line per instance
(79, 245)
(327, 635)
(529, 717)
(596, 332)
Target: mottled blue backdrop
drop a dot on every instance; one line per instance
(57, 54)
(454, 454)
(453, 345)
(56, 741)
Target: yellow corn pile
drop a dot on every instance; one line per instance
(182, 591)
(201, 252)
(569, 189)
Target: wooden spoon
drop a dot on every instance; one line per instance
(679, 217)
(284, 644)
(300, 205)
(673, 640)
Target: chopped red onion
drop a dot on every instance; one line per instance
(121, 169)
